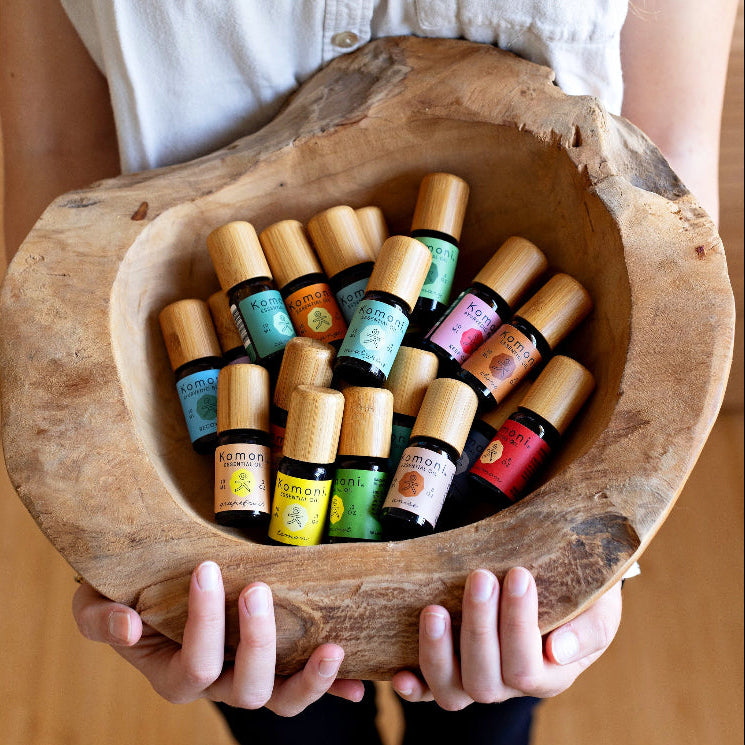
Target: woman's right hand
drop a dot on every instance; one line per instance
(196, 668)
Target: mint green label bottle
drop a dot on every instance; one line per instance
(439, 281)
(356, 500)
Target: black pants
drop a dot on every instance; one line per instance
(333, 721)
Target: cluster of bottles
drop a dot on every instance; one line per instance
(341, 406)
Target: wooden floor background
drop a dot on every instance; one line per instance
(673, 676)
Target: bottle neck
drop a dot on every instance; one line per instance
(201, 364)
(427, 233)
(303, 470)
(484, 292)
(438, 446)
(535, 336)
(303, 281)
(386, 297)
(239, 435)
(536, 423)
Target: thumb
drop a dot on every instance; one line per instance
(102, 620)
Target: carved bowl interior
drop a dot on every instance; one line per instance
(89, 403)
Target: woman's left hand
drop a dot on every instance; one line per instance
(502, 654)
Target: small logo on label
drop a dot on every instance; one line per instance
(320, 320)
(492, 453)
(372, 337)
(337, 509)
(411, 483)
(207, 407)
(431, 274)
(295, 517)
(241, 482)
(470, 340)
(283, 324)
(502, 366)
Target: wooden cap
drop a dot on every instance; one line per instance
(243, 398)
(373, 224)
(559, 391)
(447, 412)
(313, 424)
(401, 268)
(441, 204)
(188, 332)
(366, 426)
(515, 265)
(412, 372)
(498, 416)
(236, 254)
(222, 318)
(339, 240)
(557, 308)
(288, 251)
(304, 362)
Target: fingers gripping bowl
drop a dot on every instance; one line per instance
(92, 432)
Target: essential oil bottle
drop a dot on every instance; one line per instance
(464, 503)
(196, 359)
(382, 316)
(484, 306)
(255, 302)
(242, 456)
(373, 224)
(520, 347)
(305, 475)
(412, 372)
(305, 362)
(345, 254)
(519, 451)
(233, 351)
(361, 466)
(422, 479)
(310, 302)
(437, 222)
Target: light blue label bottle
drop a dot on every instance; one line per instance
(439, 280)
(198, 394)
(349, 298)
(268, 325)
(375, 334)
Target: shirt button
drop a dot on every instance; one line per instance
(345, 39)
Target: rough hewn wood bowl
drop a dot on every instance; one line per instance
(93, 434)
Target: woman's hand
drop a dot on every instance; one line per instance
(196, 668)
(502, 654)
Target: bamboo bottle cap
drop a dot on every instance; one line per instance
(243, 398)
(227, 331)
(373, 224)
(498, 416)
(339, 240)
(557, 308)
(515, 265)
(401, 269)
(447, 412)
(412, 372)
(288, 251)
(313, 424)
(188, 332)
(441, 204)
(236, 254)
(305, 362)
(366, 426)
(559, 391)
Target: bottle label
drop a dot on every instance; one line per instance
(512, 459)
(439, 280)
(349, 298)
(243, 331)
(503, 360)
(267, 323)
(375, 334)
(470, 322)
(299, 510)
(400, 435)
(242, 477)
(421, 483)
(356, 501)
(475, 445)
(198, 394)
(315, 313)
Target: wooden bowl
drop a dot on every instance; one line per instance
(93, 433)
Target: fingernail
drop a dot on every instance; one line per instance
(208, 576)
(565, 647)
(518, 581)
(404, 690)
(434, 625)
(256, 601)
(481, 585)
(328, 667)
(119, 626)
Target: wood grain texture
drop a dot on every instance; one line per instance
(89, 405)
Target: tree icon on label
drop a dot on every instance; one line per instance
(502, 366)
(319, 320)
(470, 340)
(492, 453)
(410, 484)
(372, 337)
(207, 407)
(337, 509)
(283, 324)
(241, 482)
(295, 517)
